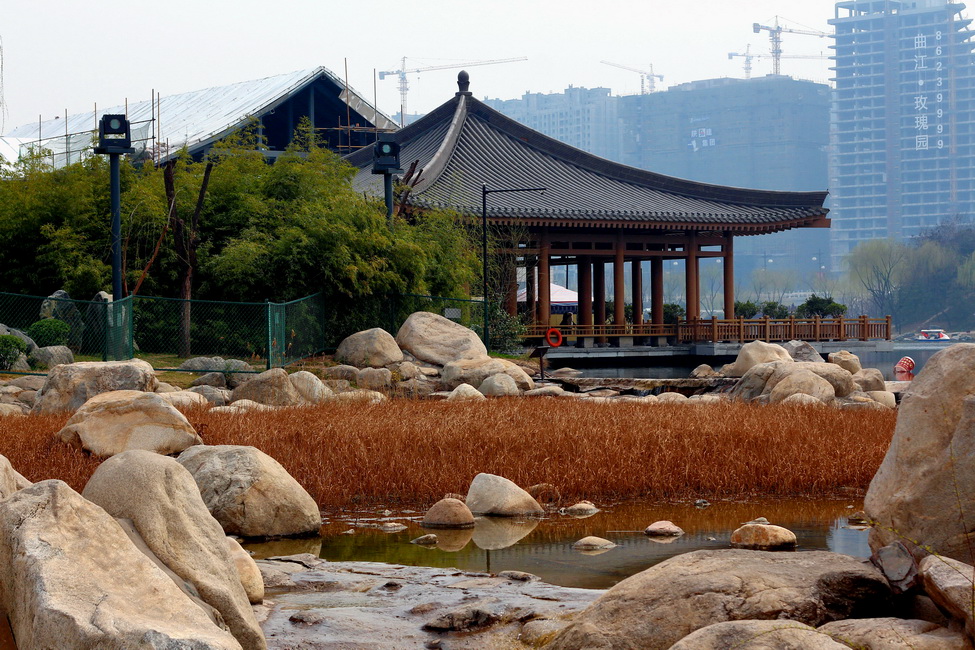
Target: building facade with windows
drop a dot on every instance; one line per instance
(903, 127)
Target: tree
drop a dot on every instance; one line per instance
(746, 309)
(820, 306)
(774, 309)
(878, 265)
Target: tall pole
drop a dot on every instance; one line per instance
(116, 227)
(484, 264)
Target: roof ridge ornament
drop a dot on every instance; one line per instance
(463, 83)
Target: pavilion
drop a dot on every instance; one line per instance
(593, 212)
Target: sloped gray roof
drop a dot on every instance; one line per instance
(464, 143)
(200, 117)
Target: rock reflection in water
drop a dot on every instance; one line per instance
(544, 547)
(496, 533)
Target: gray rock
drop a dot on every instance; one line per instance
(883, 633)
(73, 579)
(499, 385)
(897, 565)
(50, 356)
(10, 331)
(496, 495)
(69, 386)
(435, 339)
(215, 379)
(758, 635)
(342, 372)
(870, 379)
(374, 348)
(338, 385)
(271, 387)
(802, 351)
(309, 387)
(922, 489)
(216, 396)
(250, 493)
(164, 504)
(374, 379)
(663, 604)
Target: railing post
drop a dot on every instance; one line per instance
(768, 329)
(864, 325)
(817, 331)
(741, 329)
(267, 309)
(889, 328)
(792, 327)
(714, 329)
(842, 328)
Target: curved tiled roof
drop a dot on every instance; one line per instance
(464, 143)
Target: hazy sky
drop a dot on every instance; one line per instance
(68, 54)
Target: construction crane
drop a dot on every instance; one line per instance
(775, 36)
(404, 85)
(647, 77)
(748, 56)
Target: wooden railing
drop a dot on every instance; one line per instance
(739, 330)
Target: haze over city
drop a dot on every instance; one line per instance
(61, 55)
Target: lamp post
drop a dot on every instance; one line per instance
(484, 259)
(115, 138)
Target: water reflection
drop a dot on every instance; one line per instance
(544, 547)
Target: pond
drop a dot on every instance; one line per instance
(544, 546)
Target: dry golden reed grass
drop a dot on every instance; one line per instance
(413, 452)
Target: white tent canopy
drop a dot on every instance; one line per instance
(562, 299)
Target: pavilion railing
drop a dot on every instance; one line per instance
(737, 330)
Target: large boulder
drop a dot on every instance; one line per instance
(375, 378)
(475, 371)
(846, 360)
(110, 423)
(758, 635)
(752, 354)
(499, 385)
(309, 387)
(496, 495)
(185, 399)
(803, 351)
(752, 383)
(448, 513)
(73, 579)
(249, 493)
(435, 339)
(161, 499)
(840, 379)
(949, 583)
(69, 386)
(215, 396)
(375, 348)
(10, 479)
(50, 356)
(889, 632)
(803, 382)
(869, 380)
(925, 486)
(271, 387)
(465, 393)
(663, 604)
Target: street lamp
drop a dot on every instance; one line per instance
(484, 270)
(115, 138)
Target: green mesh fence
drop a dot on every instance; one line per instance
(93, 330)
(167, 331)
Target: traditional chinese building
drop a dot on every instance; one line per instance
(607, 219)
(903, 129)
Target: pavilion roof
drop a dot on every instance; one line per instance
(465, 143)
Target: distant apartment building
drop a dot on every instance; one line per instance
(584, 118)
(903, 129)
(767, 133)
(764, 133)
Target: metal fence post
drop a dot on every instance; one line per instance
(267, 309)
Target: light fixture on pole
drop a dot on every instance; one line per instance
(114, 139)
(484, 258)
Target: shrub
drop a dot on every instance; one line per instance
(820, 306)
(673, 313)
(774, 309)
(49, 331)
(746, 309)
(11, 347)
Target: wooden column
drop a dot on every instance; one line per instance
(636, 271)
(619, 285)
(656, 290)
(599, 293)
(692, 281)
(544, 282)
(585, 290)
(531, 307)
(729, 275)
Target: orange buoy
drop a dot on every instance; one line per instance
(553, 337)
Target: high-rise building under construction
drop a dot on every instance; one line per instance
(903, 125)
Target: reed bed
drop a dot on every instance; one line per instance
(413, 452)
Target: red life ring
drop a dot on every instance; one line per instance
(553, 337)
